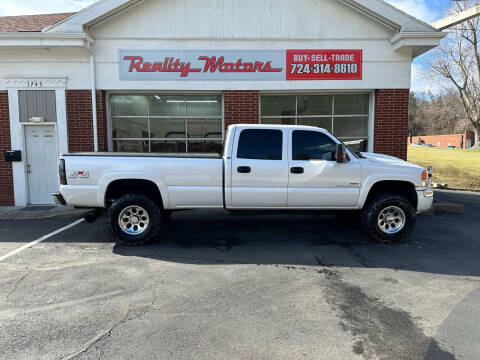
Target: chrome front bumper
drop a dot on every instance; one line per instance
(425, 200)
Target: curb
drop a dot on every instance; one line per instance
(17, 213)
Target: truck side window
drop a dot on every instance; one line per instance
(261, 144)
(312, 145)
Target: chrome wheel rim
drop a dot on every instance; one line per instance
(133, 220)
(391, 219)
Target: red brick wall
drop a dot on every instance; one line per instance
(241, 106)
(6, 177)
(391, 122)
(458, 140)
(79, 120)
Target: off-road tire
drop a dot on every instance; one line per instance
(148, 235)
(371, 211)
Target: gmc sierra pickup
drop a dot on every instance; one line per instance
(263, 167)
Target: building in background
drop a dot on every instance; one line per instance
(461, 141)
(171, 75)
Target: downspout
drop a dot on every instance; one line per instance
(94, 97)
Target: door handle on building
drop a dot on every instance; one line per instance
(29, 170)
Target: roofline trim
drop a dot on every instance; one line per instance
(40, 35)
(45, 30)
(371, 14)
(94, 13)
(38, 39)
(386, 13)
(416, 35)
(377, 10)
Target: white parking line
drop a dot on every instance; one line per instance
(44, 237)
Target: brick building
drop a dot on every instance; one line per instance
(171, 75)
(461, 141)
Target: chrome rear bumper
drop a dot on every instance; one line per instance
(59, 198)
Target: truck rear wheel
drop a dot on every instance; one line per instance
(133, 219)
(388, 218)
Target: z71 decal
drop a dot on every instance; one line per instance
(82, 174)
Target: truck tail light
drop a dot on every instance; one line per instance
(61, 172)
(425, 178)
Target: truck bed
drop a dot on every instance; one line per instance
(186, 180)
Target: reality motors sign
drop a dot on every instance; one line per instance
(248, 65)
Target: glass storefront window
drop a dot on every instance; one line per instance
(165, 123)
(347, 127)
(166, 105)
(130, 145)
(323, 122)
(128, 127)
(161, 128)
(208, 146)
(167, 146)
(129, 105)
(346, 116)
(204, 128)
(278, 105)
(351, 105)
(314, 105)
(204, 105)
(281, 121)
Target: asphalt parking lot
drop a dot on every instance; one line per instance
(221, 286)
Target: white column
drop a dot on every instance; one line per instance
(371, 121)
(94, 102)
(17, 143)
(62, 133)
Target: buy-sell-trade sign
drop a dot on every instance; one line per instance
(249, 65)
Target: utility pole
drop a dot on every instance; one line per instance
(456, 19)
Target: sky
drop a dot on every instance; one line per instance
(426, 10)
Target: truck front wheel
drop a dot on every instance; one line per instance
(133, 219)
(388, 218)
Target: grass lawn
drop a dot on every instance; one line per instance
(456, 167)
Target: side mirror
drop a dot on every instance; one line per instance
(341, 154)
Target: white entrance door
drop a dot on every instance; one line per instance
(42, 168)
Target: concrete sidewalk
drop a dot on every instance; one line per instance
(33, 212)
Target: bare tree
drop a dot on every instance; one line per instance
(458, 61)
(436, 114)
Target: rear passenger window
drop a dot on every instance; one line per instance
(312, 145)
(261, 144)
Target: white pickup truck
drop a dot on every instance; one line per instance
(263, 167)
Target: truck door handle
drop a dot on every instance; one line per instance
(244, 169)
(296, 170)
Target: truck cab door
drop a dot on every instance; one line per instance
(259, 168)
(316, 180)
